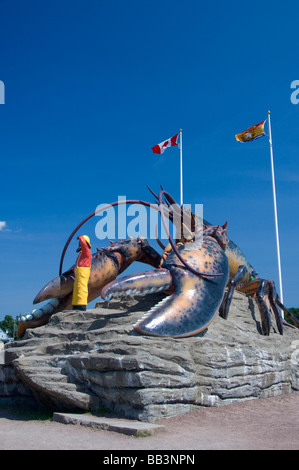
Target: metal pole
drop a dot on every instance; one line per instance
(275, 211)
(181, 167)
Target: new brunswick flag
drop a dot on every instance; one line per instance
(254, 132)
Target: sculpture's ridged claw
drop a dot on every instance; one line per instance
(140, 283)
(196, 299)
(189, 310)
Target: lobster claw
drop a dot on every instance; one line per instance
(57, 288)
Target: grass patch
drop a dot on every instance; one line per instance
(100, 411)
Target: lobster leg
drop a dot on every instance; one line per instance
(272, 298)
(236, 279)
(264, 311)
(289, 314)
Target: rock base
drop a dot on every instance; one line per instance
(95, 360)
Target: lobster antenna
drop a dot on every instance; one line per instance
(198, 273)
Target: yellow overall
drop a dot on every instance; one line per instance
(82, 273)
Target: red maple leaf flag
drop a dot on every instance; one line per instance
(160, 148)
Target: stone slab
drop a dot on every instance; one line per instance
(124, 426)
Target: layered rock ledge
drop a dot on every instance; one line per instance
(95, 359)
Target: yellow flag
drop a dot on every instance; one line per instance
(252, 133)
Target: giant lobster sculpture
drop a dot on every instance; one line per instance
(198, 272)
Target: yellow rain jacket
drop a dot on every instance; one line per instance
(82, 273)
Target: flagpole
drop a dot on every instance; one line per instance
(181, 167)
(275, 210)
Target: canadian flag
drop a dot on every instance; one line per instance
(159, 148)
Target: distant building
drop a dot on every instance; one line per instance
(3, 336)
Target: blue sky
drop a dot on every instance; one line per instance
(91, 86)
